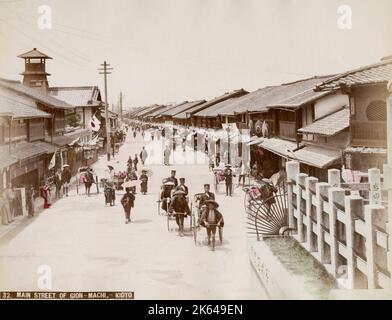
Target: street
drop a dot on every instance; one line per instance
(89, 247)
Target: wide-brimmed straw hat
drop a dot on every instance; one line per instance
(169, 183)
(213, 202)
(178, 192)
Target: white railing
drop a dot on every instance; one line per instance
(348, 237)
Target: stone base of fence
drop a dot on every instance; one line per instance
(375, 294)
(276, 263)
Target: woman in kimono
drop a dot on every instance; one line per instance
(144, 179)
(45, 190)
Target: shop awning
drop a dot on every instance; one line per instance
(317, 157)
(329, 125)
(280, 147)
(255, 140)
(311, 155)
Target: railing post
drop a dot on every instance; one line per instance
(310, 183)
(335, 195)
(300, 223)
(373, 213)
(353, 204)
(375, 186)
(292, 169)
(321, 187)
(334, 178)
(387, 171)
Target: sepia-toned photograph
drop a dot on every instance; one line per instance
(195, 150)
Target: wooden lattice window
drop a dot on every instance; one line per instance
(377, 111)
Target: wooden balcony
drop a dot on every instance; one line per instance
(287, 130)
(369, 133)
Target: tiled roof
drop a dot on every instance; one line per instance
(215, 109)
(185, 114)
(372, 74)
(88, 96)
(48, 100)
(34, 54)
(150, 110)
(25, 150)
(329, 125)
(292, 95)
(5, 158)
(158, 111)
(18, 110)
(183, 107)
(134, 112)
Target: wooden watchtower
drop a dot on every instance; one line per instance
(35, 74)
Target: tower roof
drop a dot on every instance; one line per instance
(34, 54)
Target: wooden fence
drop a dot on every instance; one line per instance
(343, 231)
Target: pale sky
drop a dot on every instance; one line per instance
(174, 50)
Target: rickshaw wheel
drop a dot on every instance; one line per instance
(220, 235)
(213, 243)
(216, 183)
(194, 232)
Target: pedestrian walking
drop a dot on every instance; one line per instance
(57, 183)
(181, 210)
(143, 155)
(135, 162)
(66, 179)
(9, 196)
(166, 155)
(244, 171)
(228, 173)
(128, 201)
(88, 181)
(144, 180)
(30, 201)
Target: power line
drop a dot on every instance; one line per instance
(64, 58)
(56, 42)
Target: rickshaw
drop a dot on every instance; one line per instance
(196, 219)
(164, 197)
(219, 177)
(171, 216)
(266, 208)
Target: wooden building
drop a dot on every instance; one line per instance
(367, 91)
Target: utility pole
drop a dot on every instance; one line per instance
(121, 110)
(388, 172)
(105, 70)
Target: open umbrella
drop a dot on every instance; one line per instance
(149, 172)
(130, 184)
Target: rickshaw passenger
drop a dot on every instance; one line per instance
(207, 195)
(166, 194)
(179, 206)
